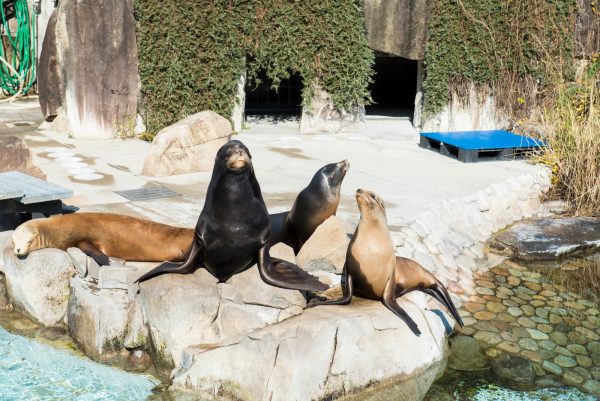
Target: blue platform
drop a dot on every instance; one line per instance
(468, 146)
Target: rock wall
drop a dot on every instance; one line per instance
(398, 27)
(89, 61)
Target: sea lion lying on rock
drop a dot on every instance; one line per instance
(233, 230)
(373, 271)
(100, 235)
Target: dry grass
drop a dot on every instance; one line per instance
(573, 135)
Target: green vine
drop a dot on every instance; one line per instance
(509, 47)
(191, 53)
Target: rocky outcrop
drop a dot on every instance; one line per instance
(89, 66)
(398, 27)
(16, 156)
(321, 116)
(39, 284)
(549, 239)
(189, 145)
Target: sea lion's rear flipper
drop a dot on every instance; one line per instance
(389, 300)
(347, 290)
(280, 273)
(439, 292)
(189, 266)
(94, 253)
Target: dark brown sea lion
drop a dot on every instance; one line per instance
(233, 230)
(373, 271)
(100, 235)
(314, 204)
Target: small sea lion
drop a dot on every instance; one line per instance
(314, 204)
(373, 271)
(100, 235)
(233, 230)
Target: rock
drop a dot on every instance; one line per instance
(466, 355)
(552, 367)
(52, 333)
(549, 239)
(337, 349)
(189, 145)
(593, 387)
(325, 250)
(537, 335)
(39, 284)
(488, 337)
(188, 310)
(4, 297)
(138, 361)
(514, 370)
(322, 116)
(97, 319)
(16, 156)
(89, 69)
(79, 261)
(565, 361)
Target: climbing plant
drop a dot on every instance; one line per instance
(192, 53)
(515, 48)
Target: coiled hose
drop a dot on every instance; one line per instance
(17, 49)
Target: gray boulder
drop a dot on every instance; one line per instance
(466, 355)
(188, 146)
(325, 250)
(514, 370)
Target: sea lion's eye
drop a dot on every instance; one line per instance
(373, 196)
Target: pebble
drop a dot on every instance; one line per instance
(593, 387)
(473, 307)
(583, 372)
(487, 337)
(513, 310)
(588, 333)
(574, 305)
(485, 326)
(583, 361)
(554, 319)
(505, 317)
(586, 303)
(537, 335)
(545, 328)
(529, 344)
(595, 371)
(571, 321)
(508, 336)
(486, 284)
(547, 293)
(532, 356)
(520, 332)
(563, 351)
(593, 312)
(518, 300)
(552, 367)
(508, 346)
(484, 315)
(565, 361)
(484, 291)
(526, 322)
(577, 349)
(533, 286)
(571, 378)
(594, 347)
(495, 307)
(515, 273)
(542, 312)
(469, 321)
(547, 345)
(538, 319)
(504, 290)
(514, 281)
(559, 311)
(559, 338)
(509, 302)
(467, 331)
(528, 310)
(595, 320)
(537, 302)
(523, 296)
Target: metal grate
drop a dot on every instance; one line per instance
(143, 194)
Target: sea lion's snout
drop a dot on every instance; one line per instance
(344, 165)
(368, 200)
(235, 155)
(238, 160)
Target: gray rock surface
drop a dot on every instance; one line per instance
(321, 116)
(514, 370)
(326, 350)
(16, 156)
(326, 249)
(549, 239)
(188, 146)
(39, 284)
(466, 355)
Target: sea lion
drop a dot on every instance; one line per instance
(233, 230)
(100, 235)
(314, 204)
(373, 271)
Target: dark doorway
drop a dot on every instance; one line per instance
(264, 100)
(394, 87)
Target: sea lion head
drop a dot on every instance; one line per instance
(26, 238)
(329, 177)
(370, 204)
(234, 157)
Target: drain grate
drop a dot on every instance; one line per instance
(142, 194)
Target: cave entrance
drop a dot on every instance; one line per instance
(394, 86)
(284, 101)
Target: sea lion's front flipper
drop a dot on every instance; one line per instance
(277, 223)
(347, 291)
(189, 266)
(439, 292)
(94, 253)
(280, 273)
(389, 300)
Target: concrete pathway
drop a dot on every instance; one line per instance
(385, 159)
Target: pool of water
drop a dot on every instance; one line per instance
(32, 371)
(492, 392)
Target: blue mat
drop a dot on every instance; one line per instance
(484, 140)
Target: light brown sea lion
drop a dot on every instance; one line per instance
(100, 235)
(314, 204)
(373, 270)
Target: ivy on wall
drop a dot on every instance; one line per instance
(191, 53)
(515, 48)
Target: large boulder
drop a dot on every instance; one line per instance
(186, 310)
(188, 146)
(89, 68)
(549, 239)
(39, 284)
(326, 248)
(327, 350)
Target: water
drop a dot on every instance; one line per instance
(491, 392)
(31, 371)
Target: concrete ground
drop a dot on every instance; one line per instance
(385, 158)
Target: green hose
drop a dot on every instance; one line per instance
(18, 67)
